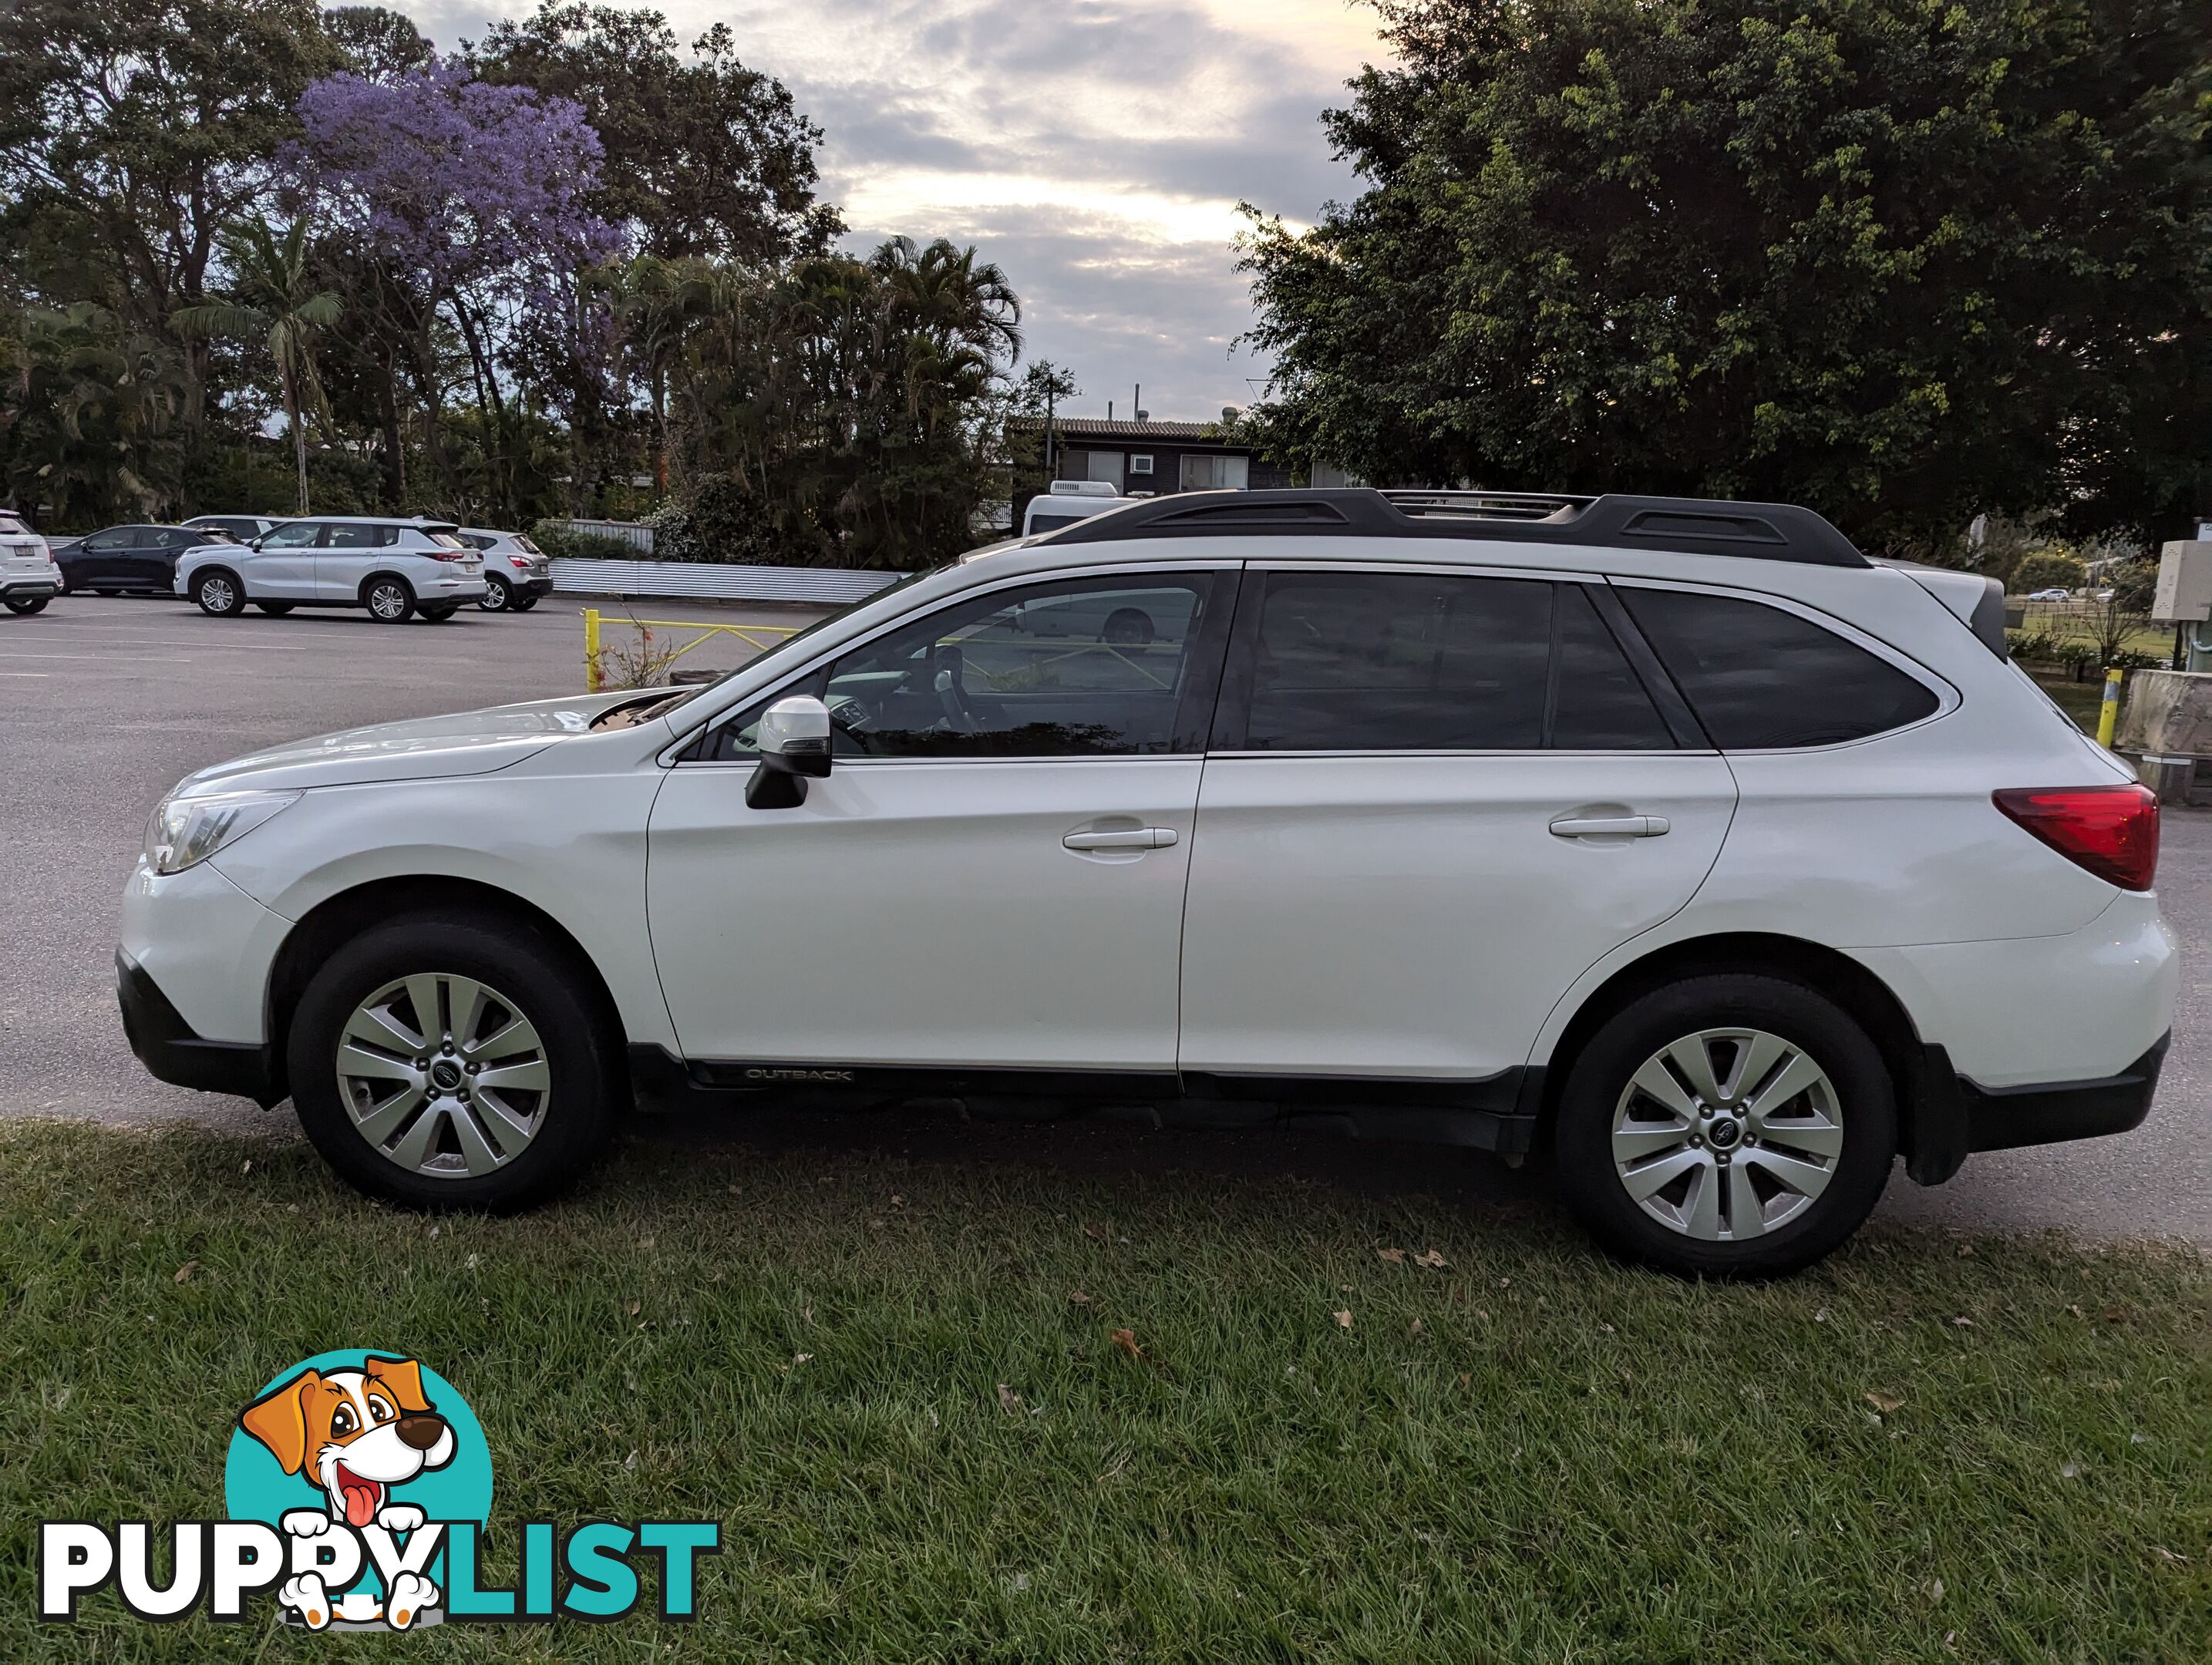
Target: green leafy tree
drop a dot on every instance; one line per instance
(2047, 569)
(1904, 260)
(273, 298)
(378, 44)
(89, 414)
(704, 156)
(141, 129)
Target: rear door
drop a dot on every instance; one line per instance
(1432, 800)
(349, 552)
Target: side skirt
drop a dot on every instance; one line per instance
(1493, 1113)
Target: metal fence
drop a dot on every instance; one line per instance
(639, 537)
(702, 581)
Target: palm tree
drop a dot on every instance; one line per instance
(273, 295)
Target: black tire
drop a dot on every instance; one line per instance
(546, 986)
(274, 609)
(439, 615)
(27, 604)
(390, 600)
(1864, 1106)
(498, 595)
(218, 593)
(110, 594)
(525, 603)
(1130, 627)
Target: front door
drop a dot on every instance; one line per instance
(103, 558)
(1434, 801)
(284, 568)
(991, 879)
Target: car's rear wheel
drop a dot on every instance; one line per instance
(498, 595)
(219, 594)
(1730, 1125)
(454, 1063)
(523, 604)
(274, 609)
(1129, 627)
(389, 600)
(439, 614)
(28, 603)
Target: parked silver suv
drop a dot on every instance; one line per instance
(391, 568)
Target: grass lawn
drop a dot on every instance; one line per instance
(1933, 1448)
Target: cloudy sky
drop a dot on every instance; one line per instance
(1097, 149)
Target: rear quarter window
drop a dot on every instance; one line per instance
(1762, 679)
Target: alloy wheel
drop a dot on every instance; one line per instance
(216, 595)
(444, 1076)
(1726, 1135)
(388, 602)
(496, 596)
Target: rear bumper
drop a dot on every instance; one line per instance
(166, 1044)
(1955, 1116)
(17, 588)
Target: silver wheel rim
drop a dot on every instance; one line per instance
(443, 1076)
(495, 596)
(386, 602)
(217, 595)
(1727, 1135)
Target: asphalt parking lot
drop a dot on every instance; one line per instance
(107, 702)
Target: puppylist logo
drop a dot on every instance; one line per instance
(358, 1487)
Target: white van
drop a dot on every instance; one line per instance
(1068, 501)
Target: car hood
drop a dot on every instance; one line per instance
(466, 742)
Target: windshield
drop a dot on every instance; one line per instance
(790, 648)
(10, 526)
(524, 545)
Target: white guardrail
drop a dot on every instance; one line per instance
(705, 581)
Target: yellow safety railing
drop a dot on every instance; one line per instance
(758, 637)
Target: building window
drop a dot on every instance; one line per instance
(1140, 464)
(1091, 465)
(1216, 473)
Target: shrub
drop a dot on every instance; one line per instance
(2048, 570)
(721, 523)
(560, 539)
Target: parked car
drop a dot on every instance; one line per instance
(1677, 837)
(139, 560)
(243, 527)
(391, 568)
(28, 577)
(516, 571)
(1068, 501)
(2053, 594)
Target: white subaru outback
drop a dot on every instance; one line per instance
(1675, 838)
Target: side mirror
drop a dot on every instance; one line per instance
(794, 744)
(253, 543)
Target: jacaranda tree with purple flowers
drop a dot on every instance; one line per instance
(469, 202)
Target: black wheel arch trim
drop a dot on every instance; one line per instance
(173, 1051)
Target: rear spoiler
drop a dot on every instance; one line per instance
(1977, 601)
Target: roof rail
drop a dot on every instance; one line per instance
(1689, 526)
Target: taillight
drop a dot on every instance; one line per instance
(446, 555)
(2112, 831)
(519, 562)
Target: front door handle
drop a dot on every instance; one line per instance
(1131, 838)
(1609, 826)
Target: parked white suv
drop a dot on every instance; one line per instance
(391, 568)
(1675, 838)
(518, 575)
(28, 577)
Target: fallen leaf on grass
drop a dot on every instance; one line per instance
(1094, 1233)
(1883, 1402)
(1078, 1297)
(1935, 1591)
(2067, 1471)
(1126, 1341)
(2169, 1556)
(1343, 1320)
(184, 1272)
(1009, 1400)
(1434, 1260)
(634, 1307)
(800, 1358)
(1416, 1330)
(248, 1168)
(1963, 1323)
(1966, 1250)
(1396, 1256)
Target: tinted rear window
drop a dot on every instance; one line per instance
(1759, 678)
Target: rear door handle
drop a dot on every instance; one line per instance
(1132, 838)
(1609, 826)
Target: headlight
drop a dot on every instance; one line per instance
(188, 830)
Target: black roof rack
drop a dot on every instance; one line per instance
(1691, 525)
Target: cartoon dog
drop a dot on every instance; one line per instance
(357, 1433)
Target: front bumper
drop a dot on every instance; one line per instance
(171, 1052)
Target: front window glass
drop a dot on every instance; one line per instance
(299, 535)
(1074, 668)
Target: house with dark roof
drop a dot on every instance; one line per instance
(1153, 458)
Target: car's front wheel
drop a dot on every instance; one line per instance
(498, 595)
(1729, 1125)
(389, 600)
(454, 1063)
(219, 594)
